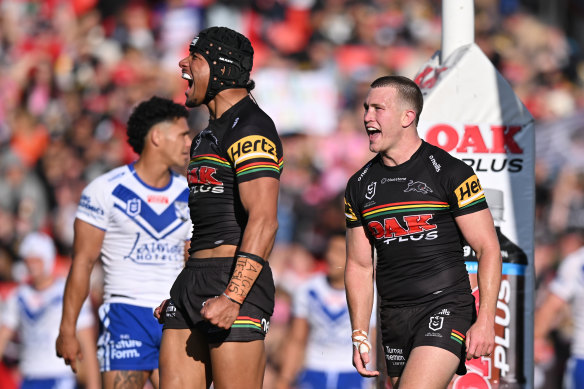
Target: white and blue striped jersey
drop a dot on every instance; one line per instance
(35, 315)
(329, 345)
(145, 233)
(569, 285)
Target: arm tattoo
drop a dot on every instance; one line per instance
(245, 273)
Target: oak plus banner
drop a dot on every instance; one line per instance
(471, 111)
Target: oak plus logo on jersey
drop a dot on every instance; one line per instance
(469, 191)
(252, 146)
(371, 190)
(202, 179)
(414, 227)
(418, 186)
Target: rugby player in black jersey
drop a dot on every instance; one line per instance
(412, 204)
(220, 306)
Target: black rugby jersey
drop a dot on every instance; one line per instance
(241, 145)
(408, 214)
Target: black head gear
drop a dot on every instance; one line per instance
(230, 58)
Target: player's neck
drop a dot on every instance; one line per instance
(225, 100)
(152, 172)
(402, 152)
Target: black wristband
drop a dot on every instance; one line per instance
(253, 257)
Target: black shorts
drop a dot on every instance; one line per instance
(202, 279)
(440, 323)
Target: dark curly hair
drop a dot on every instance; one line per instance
(149, 113)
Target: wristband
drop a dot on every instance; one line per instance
(231, 299)
(360, 341)
(253, 257)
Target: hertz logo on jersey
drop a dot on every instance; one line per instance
(253, 146)
(469, 191)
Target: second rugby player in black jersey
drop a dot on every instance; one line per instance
(413, 204)
(221, 303)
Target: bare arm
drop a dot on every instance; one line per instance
(359, 290)
(5, 335)
(86, 248)
(547, 317)
(260, 200)
(294, 348)
(479, 231)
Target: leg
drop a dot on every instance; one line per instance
(124, 379)
(417, 374)
(155, 378)
(238, 364)
(184, 360)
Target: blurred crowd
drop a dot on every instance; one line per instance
(72, 70)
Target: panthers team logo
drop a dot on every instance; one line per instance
(418, 186)
(436, 323)
(371, 190)
(133, 207)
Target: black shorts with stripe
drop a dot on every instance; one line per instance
(442, 323)
(202, 279)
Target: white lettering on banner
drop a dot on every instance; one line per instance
(503, 343)
(496, 165)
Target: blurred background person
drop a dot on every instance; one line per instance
(565, 297)
(33, 313)
(319, 336)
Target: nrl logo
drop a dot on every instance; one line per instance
(133, 207)
(418, 186)
(436, 323)
(371, 190)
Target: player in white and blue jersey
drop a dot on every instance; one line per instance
(136, 219)
(33, 311)
(320, 332)
(566, 291)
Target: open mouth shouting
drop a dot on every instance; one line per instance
(373, 133)
(189, 78)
